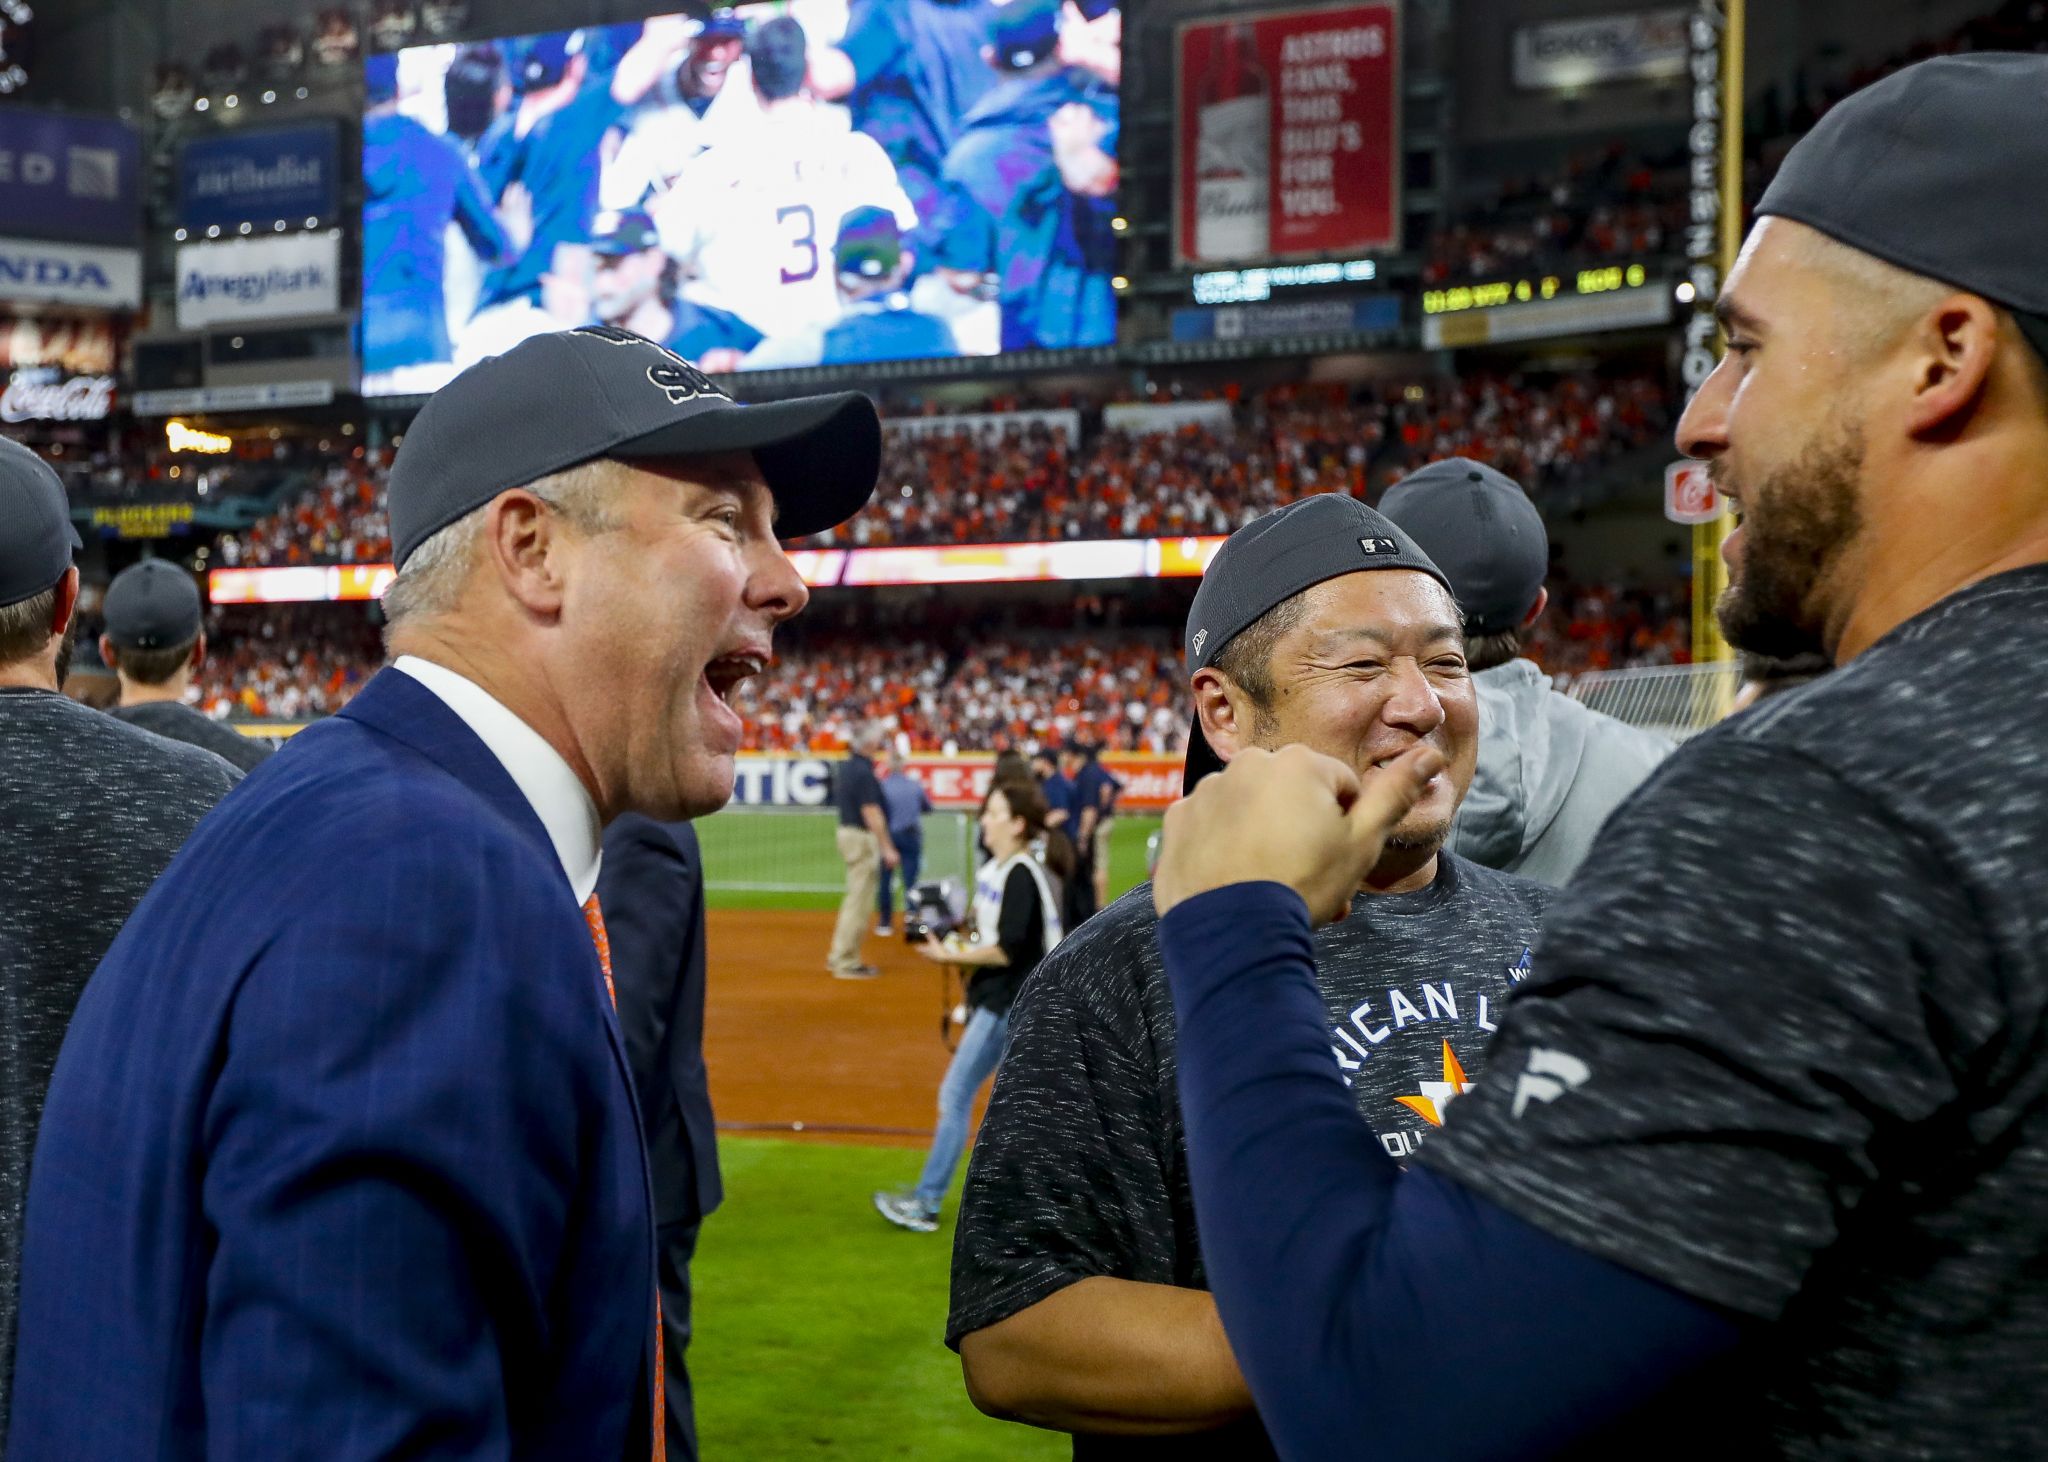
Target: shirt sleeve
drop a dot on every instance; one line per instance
(1020, 926)
(1758, 984)
(1334, 1273)
(1070, 1175)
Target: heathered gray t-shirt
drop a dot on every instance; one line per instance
(182, 723)
(91, 811)
(1081, 1165)
(1786, 1047)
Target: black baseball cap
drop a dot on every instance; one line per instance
(544, 60)
(1920, 169)
(567, 397)
(36, 536)
(152, 605)
(1480, 528)
(619, 231)
(870, 243)
(1267, 562)
(722, 25)
(1025, 32)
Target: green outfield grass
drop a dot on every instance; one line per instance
(820, 1328)
(801, 849)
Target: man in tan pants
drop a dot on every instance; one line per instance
(864, 844)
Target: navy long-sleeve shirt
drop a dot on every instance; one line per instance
(1377, 1312)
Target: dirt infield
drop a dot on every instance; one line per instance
(851, 1060)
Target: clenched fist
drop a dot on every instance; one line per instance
(1292, 816)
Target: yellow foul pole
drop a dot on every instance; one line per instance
(1718, 34)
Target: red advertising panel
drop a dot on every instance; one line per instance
(1288, 135)
(1151, 783)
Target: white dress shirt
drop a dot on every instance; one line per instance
(556, 794)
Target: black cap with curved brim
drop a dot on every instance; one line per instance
(1928, 168)
(36, 536)
(1269, 561)
(561, 399)
(1480, 528)
(152, 605)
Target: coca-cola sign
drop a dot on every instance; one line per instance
(57, 367)
(46, 395)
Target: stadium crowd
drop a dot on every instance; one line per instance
(287, 662)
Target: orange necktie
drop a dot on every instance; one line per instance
(593, 915)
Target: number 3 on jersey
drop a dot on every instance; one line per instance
(803, 241)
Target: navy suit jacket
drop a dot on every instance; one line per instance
(341, 1157)
(652, 889)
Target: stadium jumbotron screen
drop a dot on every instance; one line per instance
(760, 188)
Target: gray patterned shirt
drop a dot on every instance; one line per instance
(1786, 1048)
(91, 811)
(1081, 1165)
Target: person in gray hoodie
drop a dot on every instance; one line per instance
(1551, 769)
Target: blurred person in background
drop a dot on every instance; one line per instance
(633, 286)
(1551, 768)
(1053, 786)
(864, 847)
(904, 805)
(879, 321)
(345, 1120)
(651, 887)
(1017, 923)
(90, 812)
(415, 185)
(673, 76)
(154, 645)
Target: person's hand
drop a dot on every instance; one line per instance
(932, 950)
(1293, 816)
(1075, 129)
(1094, 45)
(515, 212)
(891, 858)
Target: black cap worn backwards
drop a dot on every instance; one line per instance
(572, 396)
(1480, 528)
(1024, 33)
(36, 536)
(1269, 561)
(870, 243)
(152, 605)
(1933, 169)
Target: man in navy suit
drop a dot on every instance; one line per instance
(652, 890)
(341, 1158)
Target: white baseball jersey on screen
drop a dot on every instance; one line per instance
(755, 218)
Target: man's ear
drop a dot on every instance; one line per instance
(522, 536)
(1954, 348)
(109, 656)
(1225, 712)
(1536, 610)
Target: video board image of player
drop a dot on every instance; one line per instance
(795, 182)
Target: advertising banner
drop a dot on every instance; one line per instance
(1352, 315)
(77, 179)
(283, 173)
(57, 368)
(33, 270)
(954, 783)
(1288, 135)
(278, 278)
(1648, 46)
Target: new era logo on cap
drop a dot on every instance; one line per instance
(676, 378)
(1378, 546)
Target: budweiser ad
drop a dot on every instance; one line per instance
(56, 368)
(1288, 135)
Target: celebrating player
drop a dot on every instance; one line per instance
(755, 227)
(633, 286)
(871, 264)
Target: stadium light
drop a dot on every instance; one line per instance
(1686, 293)
(278, 227)
(201, 104)
(1119, 284)
(312, 223)
(233, 100)
(269, 97)
(301, 93)
(213, 230)
(245, 228)
(179, 236)
(1120, 224)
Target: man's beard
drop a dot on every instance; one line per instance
(1795, 525)
(64, 648)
